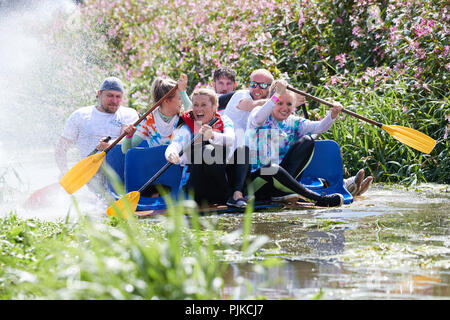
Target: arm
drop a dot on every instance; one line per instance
(225, 138)
(324, 124)
(248, 104)
(129, 143)
(187, 103)
(182, 84)
(257, 118)
(181, 139)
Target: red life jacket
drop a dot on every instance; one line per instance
(188, 118)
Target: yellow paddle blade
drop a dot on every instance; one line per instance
(125, 205)
(411, 137)
(82, 172)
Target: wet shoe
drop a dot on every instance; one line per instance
(239, 203)
(353, 184)
(365, 185)
(330, 200)
(292, 197)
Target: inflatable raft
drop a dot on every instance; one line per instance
(139, 164)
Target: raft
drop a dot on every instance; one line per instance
(139, 164)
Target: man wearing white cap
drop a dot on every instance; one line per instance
(88, 126)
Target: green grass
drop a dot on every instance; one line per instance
(180, 257)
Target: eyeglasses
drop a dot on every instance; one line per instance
(262, 85)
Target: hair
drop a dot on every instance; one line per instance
(262, 71)
(160, 87)
(225, 72)
(210, 93)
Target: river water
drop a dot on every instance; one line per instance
(388, 244)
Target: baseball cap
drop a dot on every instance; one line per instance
(112, 83)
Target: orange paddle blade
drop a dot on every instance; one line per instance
(125, 205)
(82, 172)
(411, 137)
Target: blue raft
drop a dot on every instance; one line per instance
(139, 164)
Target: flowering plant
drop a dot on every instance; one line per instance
(388, 60)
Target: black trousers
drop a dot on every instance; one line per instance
(238, 169)
(208, 178)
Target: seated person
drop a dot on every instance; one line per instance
(281, 147)
(205, 158)
(160, 124)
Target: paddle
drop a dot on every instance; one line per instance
(408, 136)
(42, 195)
(131, 199)
(85, 169)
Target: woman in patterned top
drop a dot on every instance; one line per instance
(281, 147)
(157, 129)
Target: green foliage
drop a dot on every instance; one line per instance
(181, 257)
(97, 261)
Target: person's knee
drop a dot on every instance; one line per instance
(270, 169)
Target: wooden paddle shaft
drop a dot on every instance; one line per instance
(168, 164)
(378, 124)
(157, 104)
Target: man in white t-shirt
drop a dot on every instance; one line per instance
(243, 101)
(88, 126)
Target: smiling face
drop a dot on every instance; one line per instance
(203, 108)
(284, 107)
(258, 93)
(172, 105)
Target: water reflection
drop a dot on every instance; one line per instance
(376, 248)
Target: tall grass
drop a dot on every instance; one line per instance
(179, 257)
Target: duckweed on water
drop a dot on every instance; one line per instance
(414, 241)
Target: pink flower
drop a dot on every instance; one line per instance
(357, 31)
(339, 20)
(424, 28)
(301, 19)
(341, 58)
(354, 44)
(334, 80)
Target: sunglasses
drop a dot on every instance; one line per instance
(262, 85)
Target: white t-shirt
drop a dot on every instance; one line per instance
(86, 126)
(238, 116)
